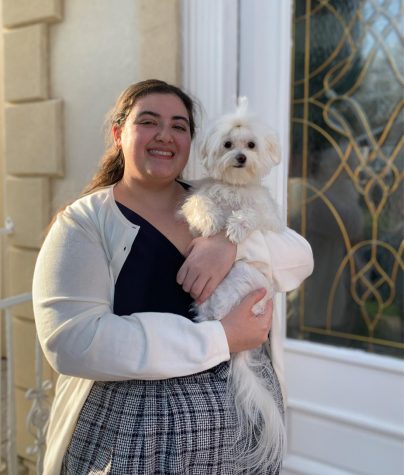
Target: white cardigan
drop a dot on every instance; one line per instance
(73, 293)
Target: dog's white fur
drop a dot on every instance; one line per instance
(237, 151)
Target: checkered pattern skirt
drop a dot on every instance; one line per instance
(183, 426)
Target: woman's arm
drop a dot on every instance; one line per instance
(81, 336)
(244, 329)
(207, 264)
(286, 257)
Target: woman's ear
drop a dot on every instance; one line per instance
(117, 135)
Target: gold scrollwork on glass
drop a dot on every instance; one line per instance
(346, 172)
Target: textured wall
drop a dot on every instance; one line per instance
(32, 154)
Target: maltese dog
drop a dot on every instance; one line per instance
(237, 151)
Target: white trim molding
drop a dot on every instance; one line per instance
(349, 356)
(300, 465)
(348, 418)
(264, 71)
(209, 60)
(210, 49)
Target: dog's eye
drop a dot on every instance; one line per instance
(251, 145)
(227, 144)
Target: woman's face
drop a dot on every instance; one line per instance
(155, 139)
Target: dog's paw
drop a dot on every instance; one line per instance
(236, 234)
(203, 217)
(238, 228)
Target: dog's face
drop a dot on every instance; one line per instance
(238, 150)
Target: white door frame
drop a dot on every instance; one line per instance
(209, 59)
(346, 407)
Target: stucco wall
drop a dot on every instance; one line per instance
(93, 57)
(98, 50)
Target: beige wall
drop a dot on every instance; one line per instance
(65, 62)
(109, 48)
(32, 155)
(93, 57)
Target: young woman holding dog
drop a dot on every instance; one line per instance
(142, 388)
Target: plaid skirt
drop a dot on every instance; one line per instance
(181, 426)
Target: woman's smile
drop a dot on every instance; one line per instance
(164, 154)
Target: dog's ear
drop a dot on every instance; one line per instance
(272, 147)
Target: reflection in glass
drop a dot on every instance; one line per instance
(345, 177)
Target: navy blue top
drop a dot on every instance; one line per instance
(147, 281)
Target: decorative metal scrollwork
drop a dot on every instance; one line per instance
(38, 416)
(346, 174)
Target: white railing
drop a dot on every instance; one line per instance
(38, 416)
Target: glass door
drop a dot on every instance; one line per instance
(346, 190)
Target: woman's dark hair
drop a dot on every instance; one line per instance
(112, 163)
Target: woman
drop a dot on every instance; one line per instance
(142, 387)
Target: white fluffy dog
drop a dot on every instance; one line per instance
(237, 151)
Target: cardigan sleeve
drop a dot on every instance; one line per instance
(81, 336)
(286, 258)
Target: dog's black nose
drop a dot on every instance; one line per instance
(241, 158)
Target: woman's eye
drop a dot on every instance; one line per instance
(146, 122)
(251, 145)
(227, 144)
(180, 127)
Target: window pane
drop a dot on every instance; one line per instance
(345, 177)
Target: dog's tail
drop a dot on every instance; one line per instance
(261, 439)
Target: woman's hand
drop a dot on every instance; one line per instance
(244, 330)
(207, 264)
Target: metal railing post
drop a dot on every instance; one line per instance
(11, 421)
(37, 418)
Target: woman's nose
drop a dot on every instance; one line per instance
(164, 134)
